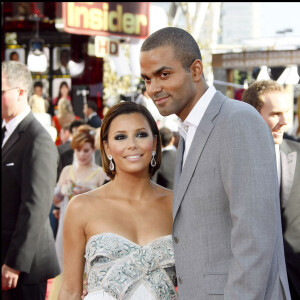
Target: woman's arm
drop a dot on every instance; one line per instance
(74, 242)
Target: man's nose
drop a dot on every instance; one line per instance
(153, 88)
(284, 119)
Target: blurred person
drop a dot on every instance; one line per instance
(227, 235)
(90, 111)
(63, 92)
(82, 176)
(97, 147)
(271, 101)
(36, 101)
(165, 174)
(65, 137)
(122, 230)
(66, 154)
(29, 164)
(176, 139)
(65, 115)
(65, 151)
(14, 56)
(63, 68)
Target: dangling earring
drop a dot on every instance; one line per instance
(153, 161)
(111, 164)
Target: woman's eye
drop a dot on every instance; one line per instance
(164, 74)
(120, 137)
(142, 134)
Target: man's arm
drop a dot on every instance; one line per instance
(39, 169)
(250, 180)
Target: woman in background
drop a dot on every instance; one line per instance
(65, 116)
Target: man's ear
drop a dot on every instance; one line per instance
(197, 70)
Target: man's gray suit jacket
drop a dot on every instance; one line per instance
(290, 208)
(227, 234)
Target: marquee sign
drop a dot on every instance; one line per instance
(256, 58)
(107, 18)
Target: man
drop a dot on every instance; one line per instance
(66, 153)
(165, 174)
(29, 165)
(269, 98)
(227, 235)
(90, 111)
(14, 56)
(37, 97)
(64, 61)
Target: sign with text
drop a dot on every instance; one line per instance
(256, 58)
(107, 18)
(105, 46)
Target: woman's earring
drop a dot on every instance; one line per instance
(111, 164)
(153, 161)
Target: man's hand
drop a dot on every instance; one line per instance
(9, 278)
(55, 212)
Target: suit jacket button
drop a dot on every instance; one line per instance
(176, 240)
(180, 280)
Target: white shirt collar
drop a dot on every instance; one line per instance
(92, 115)
(167, 148)
(196, 114)
(13, 123)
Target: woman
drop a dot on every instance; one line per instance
(121, 231)
(83, 175)
(65, 116)
(63, 92)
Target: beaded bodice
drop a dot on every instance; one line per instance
(118, 266)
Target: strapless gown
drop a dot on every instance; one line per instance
(117, 268)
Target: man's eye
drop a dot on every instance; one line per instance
(120, 137)
(146, 80)
(164, 74)
(142, 134)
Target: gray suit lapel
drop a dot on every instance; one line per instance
(179, 158)
(288, 167)
(201, 136)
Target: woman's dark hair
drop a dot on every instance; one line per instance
(121, 109)
(63, 83)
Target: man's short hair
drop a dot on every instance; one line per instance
(17, 75)
(93, 105)
(38, 84)
(186, 49)
(254, 94)
(166, 136)
(75, 124)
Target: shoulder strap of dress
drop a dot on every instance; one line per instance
(92, 174)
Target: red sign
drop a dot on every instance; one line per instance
(107, 18)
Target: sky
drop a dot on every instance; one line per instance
(279, 16)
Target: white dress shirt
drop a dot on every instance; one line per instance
(189, 126)
(13, 123)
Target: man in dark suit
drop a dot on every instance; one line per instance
(90, 111)
(270, 99)
(165, 174)
(29, 166)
